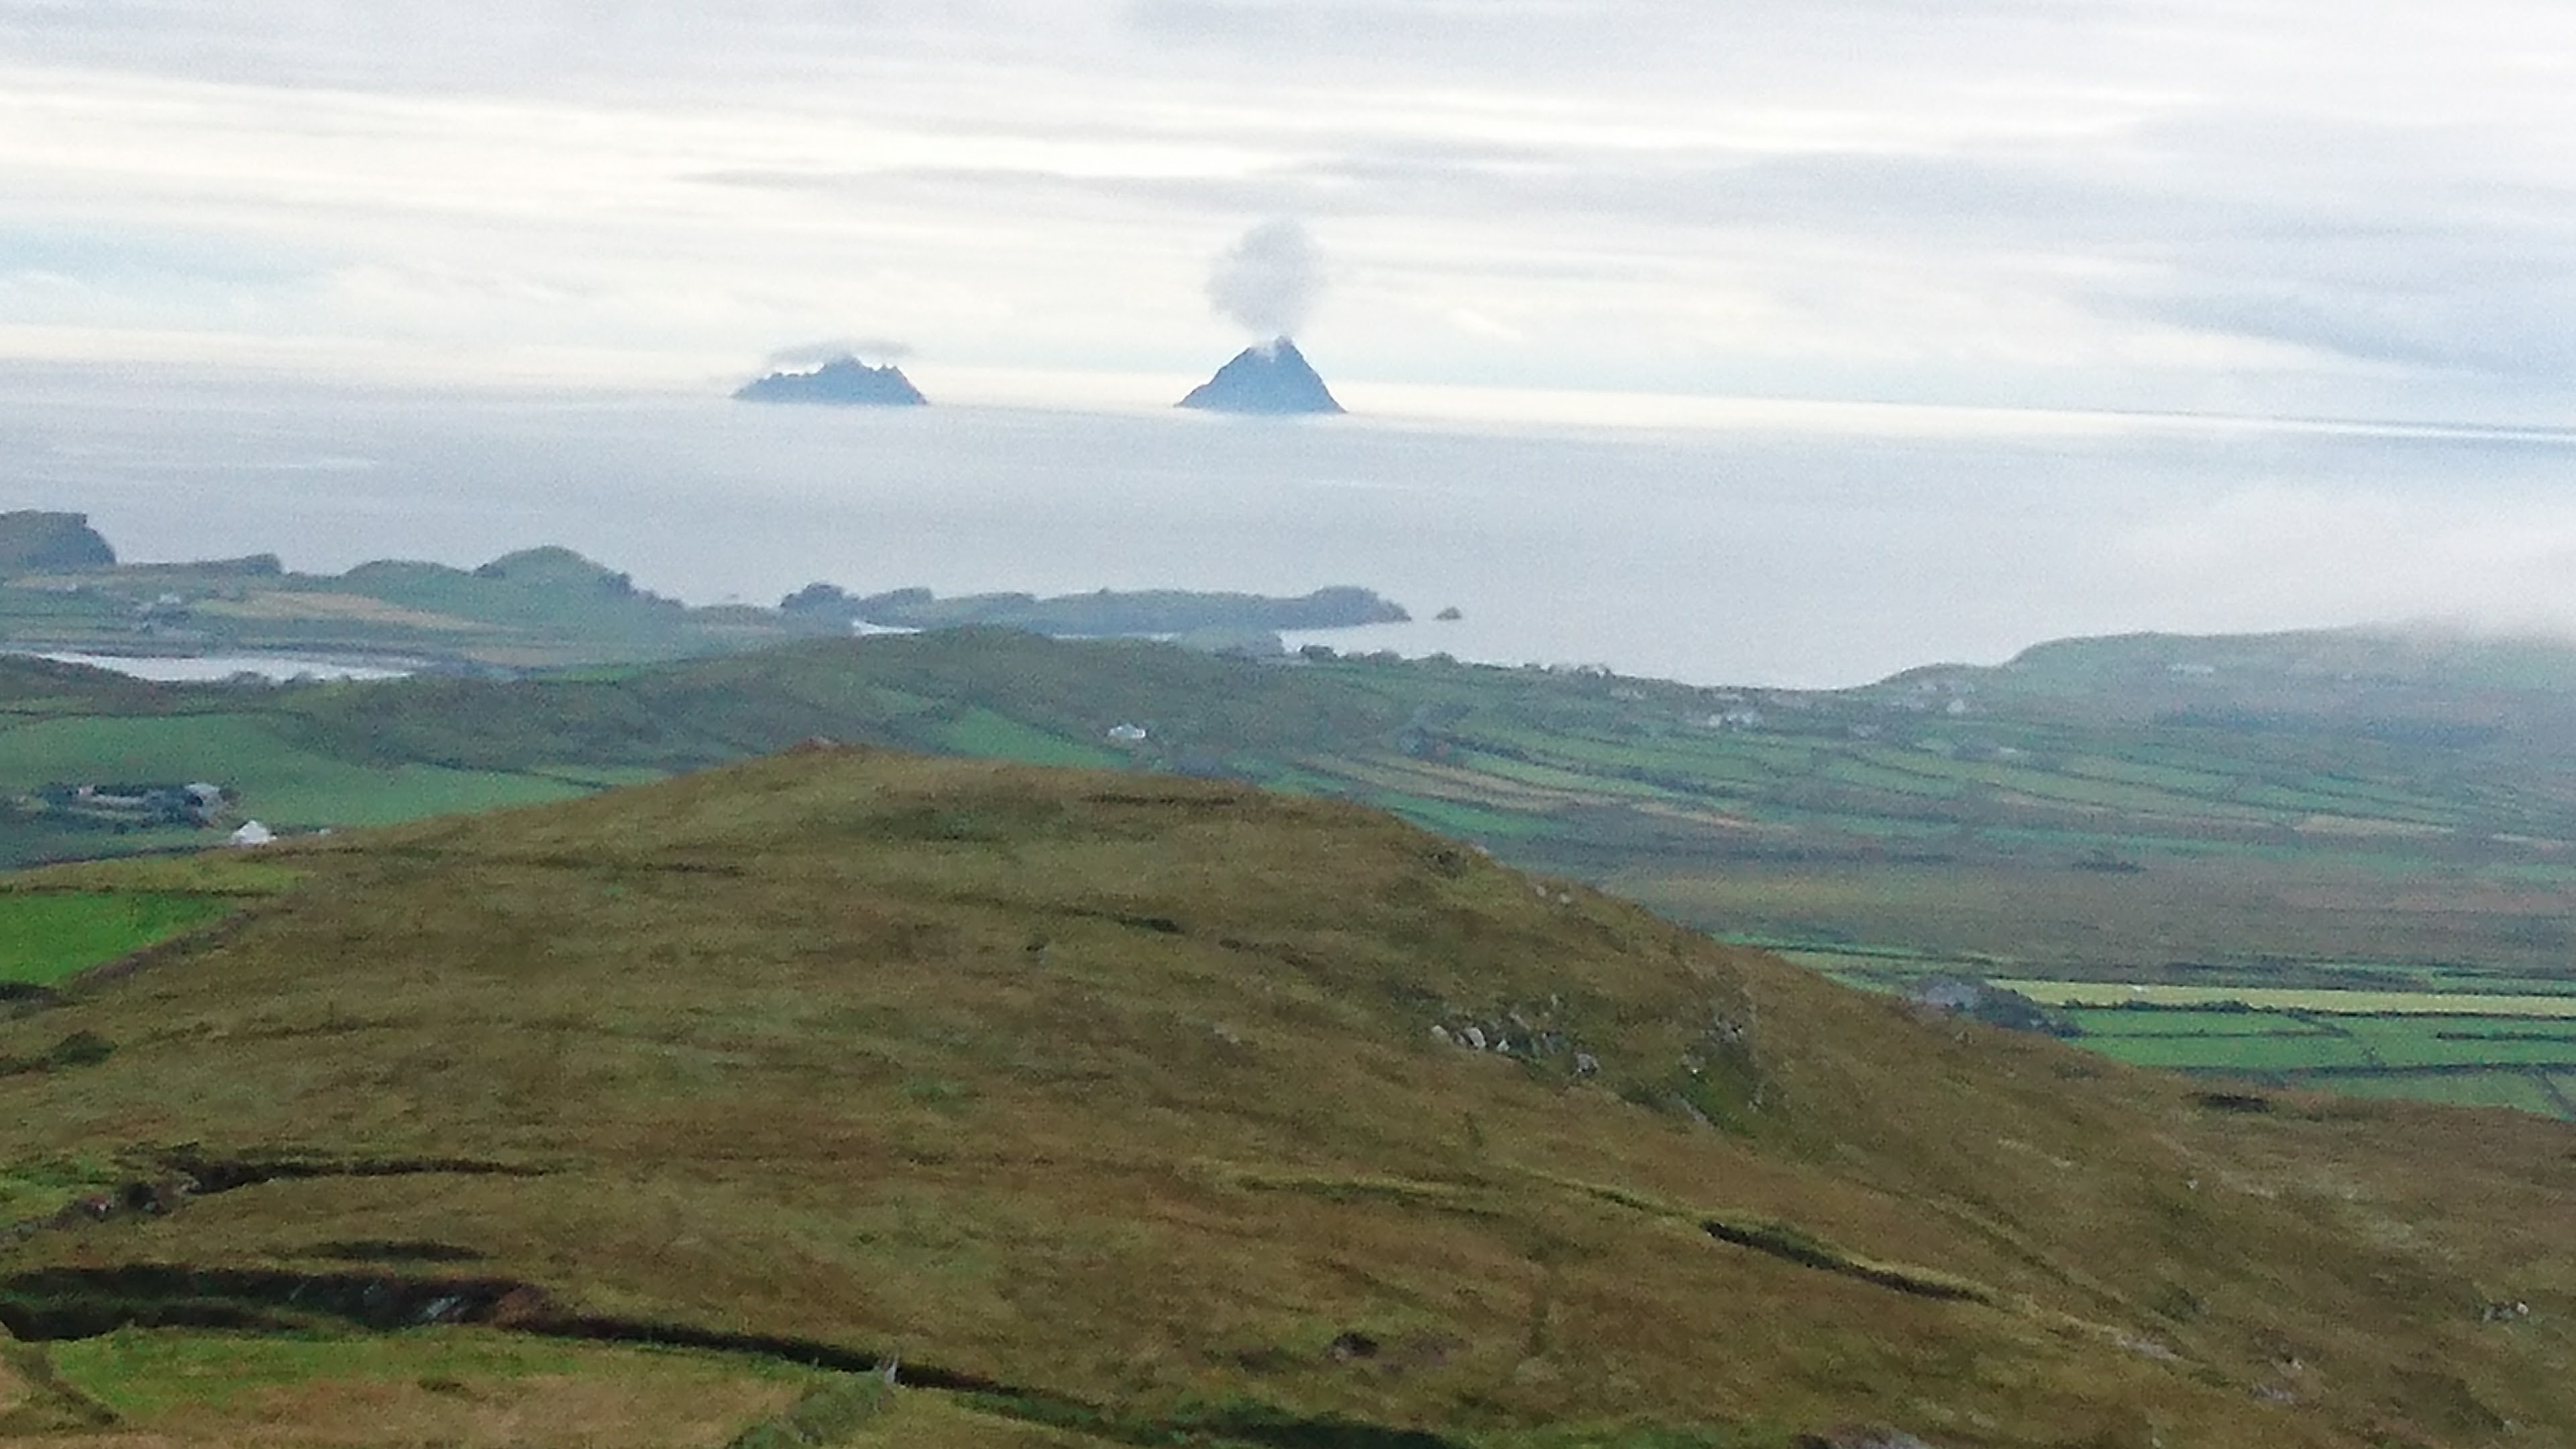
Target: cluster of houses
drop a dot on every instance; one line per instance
(197, 803)
(130, 806)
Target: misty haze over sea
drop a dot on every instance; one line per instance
(1802, 544)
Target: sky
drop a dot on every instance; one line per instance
(2310, 208)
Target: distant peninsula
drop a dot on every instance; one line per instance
(63, 590)
(1271, 379)
(842, 382)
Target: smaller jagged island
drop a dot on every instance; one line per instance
(841, 382)
(1270, 379)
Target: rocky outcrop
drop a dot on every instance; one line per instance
(31, 540)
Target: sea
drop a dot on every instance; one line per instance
(1770, 543)
(205, 668)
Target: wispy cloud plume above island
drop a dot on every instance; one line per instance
(878, 350)
(2290, 205)
(1269, 281)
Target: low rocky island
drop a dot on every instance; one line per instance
(842, 382)
(1106, 613)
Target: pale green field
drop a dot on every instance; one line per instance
(2334, 1003)
(2102, 1022)
(985, 733)
(2258, 1054)
(2522, 1091)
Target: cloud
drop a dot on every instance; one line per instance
(2139, 203)
(1270, 280)
(2511, 324)
(815, 354)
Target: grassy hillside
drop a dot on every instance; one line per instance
(2408, 827)
(1114, 1105)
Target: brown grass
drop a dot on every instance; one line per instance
(674, 1411)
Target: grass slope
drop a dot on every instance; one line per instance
(425, 1386)
(1113, 1104)
(2330, 814)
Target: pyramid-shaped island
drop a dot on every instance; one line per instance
(842, 382)
(1270, 378)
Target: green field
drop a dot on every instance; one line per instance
(279, 779)
(2237, 1054)
(2359, 1045)
(2548, 1094)
(2332, 1003)
(48, 938)
(2102, 1022)
(983, 733)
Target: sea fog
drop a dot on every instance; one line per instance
(1795, 544)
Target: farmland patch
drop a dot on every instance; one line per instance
(2270, 998)
(46, 939)
(985, 734)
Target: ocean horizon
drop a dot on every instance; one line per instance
(1736, 541)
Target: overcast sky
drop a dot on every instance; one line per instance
(2310, 207)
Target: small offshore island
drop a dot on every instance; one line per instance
(841, 382)
(1272, 379)
(1104, 613)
